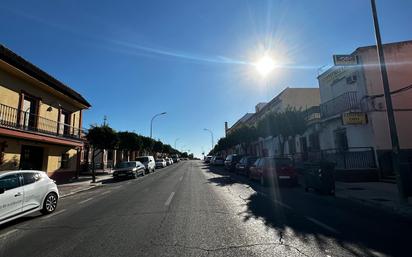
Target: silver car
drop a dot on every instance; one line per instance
(26, 191)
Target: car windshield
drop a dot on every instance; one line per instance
(126, 164)
(205, 128)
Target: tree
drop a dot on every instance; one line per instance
(100, 138)
(129, 141)
(185, 155)
(158, 147)
(147, 143)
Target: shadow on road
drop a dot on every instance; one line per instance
(273, 206)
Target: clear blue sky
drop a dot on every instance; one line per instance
(133, 59)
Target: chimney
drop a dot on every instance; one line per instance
(226, 128)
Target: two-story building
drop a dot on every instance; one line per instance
(40, 119)
(354, 128)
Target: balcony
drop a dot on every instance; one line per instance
(25, 121)
(312, 115)
(345, 102)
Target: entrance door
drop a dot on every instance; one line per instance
(31, 157)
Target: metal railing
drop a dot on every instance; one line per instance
(18, 119)
(312, 114)
(345, 102)
(351, 158)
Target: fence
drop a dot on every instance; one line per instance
(352, 158)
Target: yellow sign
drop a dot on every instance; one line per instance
(354, 118)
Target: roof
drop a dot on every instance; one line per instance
(20, 63)
(244, 118)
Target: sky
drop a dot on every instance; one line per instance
(191, 59)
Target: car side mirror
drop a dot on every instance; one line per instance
(2, 190)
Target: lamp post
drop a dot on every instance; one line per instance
(389, 107)
(151, 122)
(211, 134)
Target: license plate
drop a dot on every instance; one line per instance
(284, 177)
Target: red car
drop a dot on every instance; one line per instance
(268, 168)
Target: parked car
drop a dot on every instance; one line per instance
(26, 191)
(274, 169)
(218, 161)
(148, 162)
(208, 159)
(243, 166)
(160, 163)
(131, 169)
(231, 161)
(168, 161)
(175, 159)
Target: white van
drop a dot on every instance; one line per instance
(148, 162)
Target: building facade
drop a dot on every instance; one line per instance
(355, 131)
(40, 119)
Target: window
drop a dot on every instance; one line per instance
(30, 178)
(65, 161)
(9, 182)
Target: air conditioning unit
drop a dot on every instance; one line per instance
(351, 79)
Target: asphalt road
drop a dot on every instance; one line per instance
(190, 209)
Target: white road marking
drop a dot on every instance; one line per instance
(53, 214)
(116, 187)
(169, 199)
(323, 225)
(106, 192)
(8, 233)
(88, 199)
(181, 178)
(276, 201)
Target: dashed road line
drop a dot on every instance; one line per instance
(323, 225)
(53, 214)
(169, 200)
(84, 201)
(106, 192)
(8, 233)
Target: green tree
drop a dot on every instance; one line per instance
(100, 138)
(129, 141)
(158, 147)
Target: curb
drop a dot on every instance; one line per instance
(98, 183)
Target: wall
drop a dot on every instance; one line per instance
(399, 66)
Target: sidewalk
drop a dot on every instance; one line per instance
(376, 194)
(82, 184)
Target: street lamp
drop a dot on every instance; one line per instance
(211, 134)
(151, 122)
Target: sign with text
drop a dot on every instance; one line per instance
(354, 118)
(345, 59)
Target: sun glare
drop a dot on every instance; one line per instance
(265, 65)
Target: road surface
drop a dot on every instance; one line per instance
(191, 209)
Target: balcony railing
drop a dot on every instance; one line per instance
(312, 114)
(17, 119)
(345, 102)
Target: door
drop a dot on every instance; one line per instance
(11, 196)
(29, 113)
(31, 158)
(33, 190)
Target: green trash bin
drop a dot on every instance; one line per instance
(320, 177)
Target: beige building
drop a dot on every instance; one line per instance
(40, 119)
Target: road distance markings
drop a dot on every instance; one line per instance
(323, 225)
(169, 200)
(8, 233)
(84, 201)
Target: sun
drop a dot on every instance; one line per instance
(265, 65)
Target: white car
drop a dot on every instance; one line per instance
(26, 191)
(148, 162)
(160, 163)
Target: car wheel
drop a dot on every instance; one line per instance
(135, 175)
(50, 203)
(143, 172)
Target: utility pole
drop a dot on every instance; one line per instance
(151, 122)
(389, 108)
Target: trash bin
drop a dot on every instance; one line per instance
(319, 176)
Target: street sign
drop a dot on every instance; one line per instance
(345, 59)
(354, 118)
